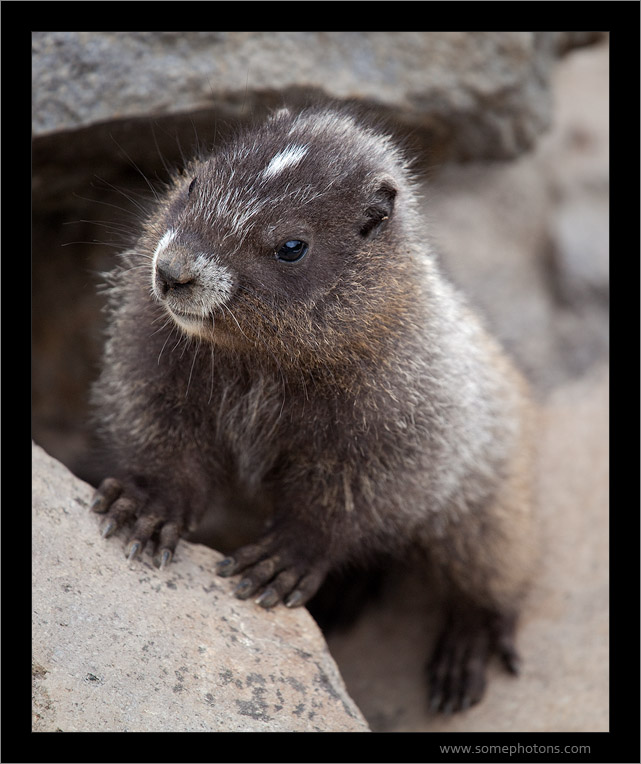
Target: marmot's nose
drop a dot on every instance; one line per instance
(172, 275)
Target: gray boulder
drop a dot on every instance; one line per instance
(131, 648)
(479, 94)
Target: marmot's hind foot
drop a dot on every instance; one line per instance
(457, 670)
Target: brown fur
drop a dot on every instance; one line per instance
(351, 399)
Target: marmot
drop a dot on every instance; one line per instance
(281, 339)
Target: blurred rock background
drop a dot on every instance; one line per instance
(510, 131)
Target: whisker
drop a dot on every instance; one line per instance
(138, 170)
(191, 370)
(166, 339)
(211, 374)
(181, 337)
(228, 309)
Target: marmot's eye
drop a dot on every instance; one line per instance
(191, 186)
(292, 251)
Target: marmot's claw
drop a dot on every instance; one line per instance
(105, 495)
(166, 556)
(226, 567)
(133, 550)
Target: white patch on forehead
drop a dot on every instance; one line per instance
(285, 158)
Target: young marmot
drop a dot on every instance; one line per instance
(281, 341)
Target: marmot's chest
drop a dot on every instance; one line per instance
(244, 431)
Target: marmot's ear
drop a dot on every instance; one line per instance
(379, 210)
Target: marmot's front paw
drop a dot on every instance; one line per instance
(283, 574)
(123, 506)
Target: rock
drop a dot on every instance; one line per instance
(480, 94)
(132, 648)
(528, 240)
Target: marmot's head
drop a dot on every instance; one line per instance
(292, 238)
